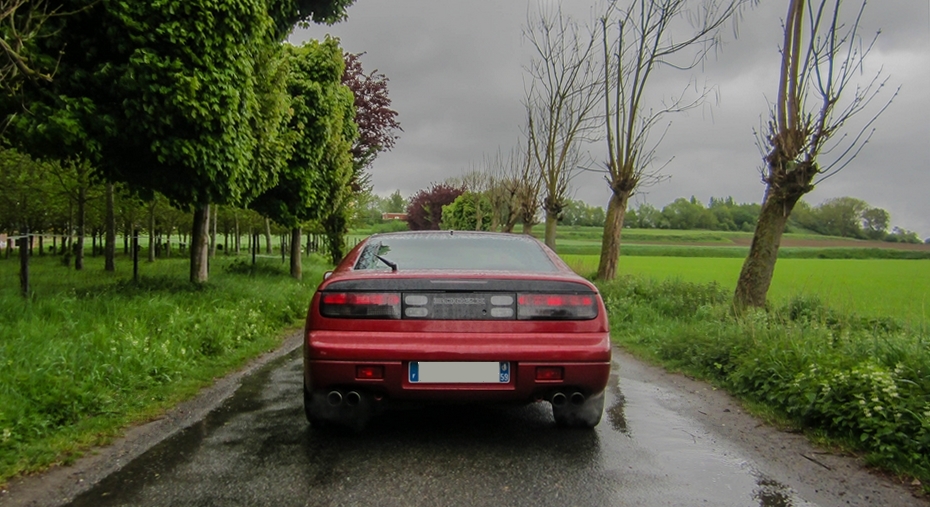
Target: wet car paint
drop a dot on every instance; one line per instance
(256, 449)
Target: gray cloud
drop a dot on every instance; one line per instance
(456, 78)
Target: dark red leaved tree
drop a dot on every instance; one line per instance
(377, 122)
(425, 209)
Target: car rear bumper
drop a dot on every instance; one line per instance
(332, 361)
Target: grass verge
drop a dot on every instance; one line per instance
(862, 382)
(86, 357)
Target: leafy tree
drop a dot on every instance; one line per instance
(841, 217)
(580, 213)
(899, 235)
(821, 60)
(319, 169)
(470, 211)
(425, 209)
(646, 216)
(875, 221)
(22, 25)
(689, 214)
(177, 97)
(377, 122)
(395, 203)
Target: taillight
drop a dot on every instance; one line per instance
(556, 306)
(372, 305)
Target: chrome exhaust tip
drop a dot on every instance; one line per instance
(558, 399)
(334, 398)
(577, 399)
(353, 398)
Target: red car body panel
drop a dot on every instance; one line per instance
(335, 347)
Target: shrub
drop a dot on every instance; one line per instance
(863, 381)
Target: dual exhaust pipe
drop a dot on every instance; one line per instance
(351, 398)
(560, 399)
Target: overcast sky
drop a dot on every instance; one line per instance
(456, 71)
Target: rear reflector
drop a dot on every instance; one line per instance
(365, 372)
(373, 305)
(556, 306)
(548, 373)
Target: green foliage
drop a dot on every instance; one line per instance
(862, 381)
(470, 211)
(87, 356)
(390, 226)
(580, 213)
(316, 176)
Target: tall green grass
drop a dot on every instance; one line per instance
(91, 352)
(861, 381)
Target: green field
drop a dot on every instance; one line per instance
(870, 287)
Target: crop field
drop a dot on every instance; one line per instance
(871, 287)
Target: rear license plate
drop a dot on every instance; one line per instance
(464, 372)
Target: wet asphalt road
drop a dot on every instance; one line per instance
(257, 449)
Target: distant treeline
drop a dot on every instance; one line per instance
(844, 217)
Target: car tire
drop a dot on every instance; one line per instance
(586, 415)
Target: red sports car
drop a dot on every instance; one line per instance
(461, 317)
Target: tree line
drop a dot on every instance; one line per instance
(194, 105)
(461, 208)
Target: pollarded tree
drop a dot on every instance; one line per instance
(638, 39)
(819, 92)
(560, 104)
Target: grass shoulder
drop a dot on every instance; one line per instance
(91, 353)
(845, 380)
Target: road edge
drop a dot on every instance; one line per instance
(62, 484)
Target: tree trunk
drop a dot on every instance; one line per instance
(152, 232)
(613, 229)
(79, 250)
(200, 234)
(216, 213)
(268, 236)
(756, 275)
(110, 246)
(24, 263)
(296, 266)
(41, 244)
(236, 219)
(335, 226)
(552, 220)
(527, 228)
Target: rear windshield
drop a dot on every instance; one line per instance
(461, 251)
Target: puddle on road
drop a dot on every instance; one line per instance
(615, 414)
(772, 493)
